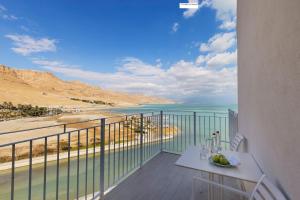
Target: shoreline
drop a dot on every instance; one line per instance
(64, 155)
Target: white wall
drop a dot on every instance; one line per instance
(269, 87)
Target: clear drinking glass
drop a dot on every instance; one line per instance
(219, 149)
(203, 152)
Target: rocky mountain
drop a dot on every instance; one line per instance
(44, 89)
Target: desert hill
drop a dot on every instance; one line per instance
(45, 89)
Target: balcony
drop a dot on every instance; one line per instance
(126, 157)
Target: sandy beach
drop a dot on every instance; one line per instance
(57, 121)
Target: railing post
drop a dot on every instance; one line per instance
(195, 142)
(65, 128)
(141, 139)
(12, 191)
(214, 122)
(102, 154)
(161, 130)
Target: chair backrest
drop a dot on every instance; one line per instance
(265, 190)
(235, 143)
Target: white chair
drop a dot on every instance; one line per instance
(236, 142)
(264, 189)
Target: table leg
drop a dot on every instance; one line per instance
(213, 187)
(193, 189)
(221, 190)
(209, 187)
(243, 188)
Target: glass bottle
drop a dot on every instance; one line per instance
(213, 142)
(218, 141)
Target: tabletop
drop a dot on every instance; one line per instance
(247, 170)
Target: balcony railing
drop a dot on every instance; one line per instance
(87, 162)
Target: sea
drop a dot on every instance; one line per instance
(176, 107)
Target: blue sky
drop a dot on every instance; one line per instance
(149, 47)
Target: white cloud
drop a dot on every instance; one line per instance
(218, 59)
(2, 8)
(9, 17)
(180, 81)
(201, 60)
(137, 67)
(219, 42)
(222, 59)
(192, 11)
(225, 11)
(48, 63)
(4, 14)
(26, 45)
(228, 25)
(175, 27)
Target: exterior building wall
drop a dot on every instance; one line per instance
(268, 34)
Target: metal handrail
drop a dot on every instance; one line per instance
(63, 124)
(51, 135)
(43, 127)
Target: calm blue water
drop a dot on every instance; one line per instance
(176, 107)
